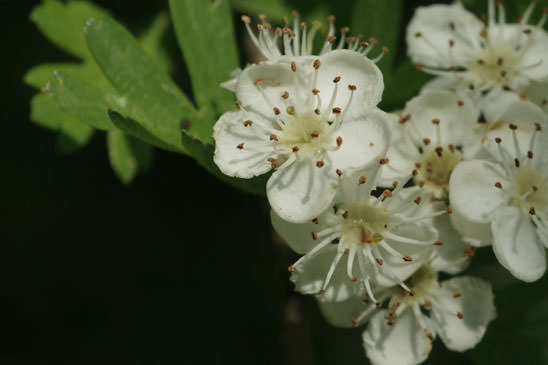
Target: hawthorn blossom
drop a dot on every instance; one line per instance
(364, 241)
(436, 131)
(310, 122)
(469, 55)
(402, 332)
(507, 199)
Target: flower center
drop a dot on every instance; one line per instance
(364, 224)
(496, 63)
(436, 167)
(305, 134)
(531, 189)
(421, 282)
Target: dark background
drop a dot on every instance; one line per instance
(176, 268)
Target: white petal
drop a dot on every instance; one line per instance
(536, 55)
(365, 141)
(516, 244)
(472, 190)
(353, 69)
(475, 303)
(229, 132)
(456, 112)
(402, 344)
(310, 275)
(260, 87)
(302, 191)
(538, 93)
(299, 235)
(444, 83)
(473, 233)
(344, 313)
(433, 23)
(495, 102)
(450, 256)
(231, 84)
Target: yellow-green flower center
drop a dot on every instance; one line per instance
(495, 63)
(305, 134)
(365, 223)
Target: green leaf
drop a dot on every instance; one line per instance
(152, 41)
(83, 101)
(152, 97)
(382, 20)
(62, 24)
(206, 37)
(128, 155)
(73, 135)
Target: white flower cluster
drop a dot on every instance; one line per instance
(378, 204)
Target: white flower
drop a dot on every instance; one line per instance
(364, 241)
(449, 41)
(508, 198)
(299, 41)
(436, 131)
(310, 121)
(458, 310)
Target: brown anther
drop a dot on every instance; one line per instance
(407, 259)
(418, 200)
(240, 146)
(527, 31)
(427, 304)
(315, 91)
(438, 243)
(295, 149)
(426, 141)
(352, 87)
(470, 252)
(316, 64)
(365, 236)
(516, 162)
(449, 210)
(295, 13)
(530, 154)
(535, 189)
(346, 250)
(460, 315)
(385, 50)
(350, 40)
(353, 279)
(451, 43)
(415, 173)
(421, 184)
(291, 269)
(246, 19)
(364, 44)
(429, 336)
(285, 20)
(412, 293)
(339, 141)
(480, 62)
(373, 40)
(532, 211)
(498, 140)
(418, 67)
(274, 137)
(418, 165)
(439, 151)
(271, 160)
(355, 323)
(303, 24)
(538, 127)
(544, 101)
(285, 95)
(405, 118)
(293, 66)
(418, 35)
(278, 31)
(361, 180)
(471, 87)
(460, 103)
(317, 111)
(238, 103)
(315, 221)
(336, 110)
(451, 148)
(276, 110)
(314, 134)
(260, 27)
(331, 39)
(384, 161)
(345, 30)
(321, 292)
(248, 123)
(345, 214)
(314, 235)
(395, 184)
(379, 261)
(337, 79)
(503, 73)
(320, 163)
(435, 121)
(338, 172)
(387, 194)
(331, 18)
(378, 304)
(457, 294)
(498, 185)
(452, 25)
